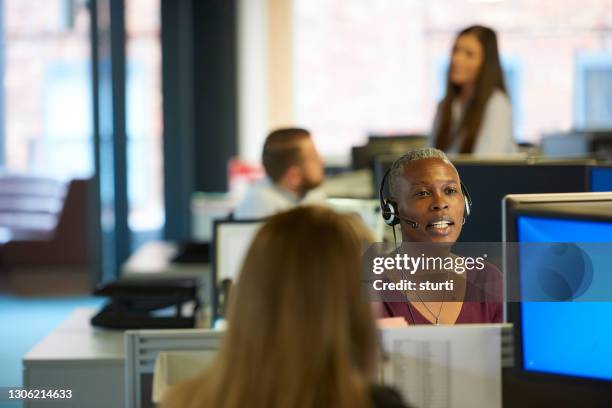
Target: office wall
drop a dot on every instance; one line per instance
(199, 75)
(265, 71)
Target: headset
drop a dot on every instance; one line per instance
(390, 210)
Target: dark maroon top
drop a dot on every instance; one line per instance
(478, 306)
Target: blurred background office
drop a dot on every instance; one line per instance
(126, 122)
(154, 98)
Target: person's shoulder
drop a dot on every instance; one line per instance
(485, 285)
(489, 272)
(491, 268)
(386, 397)
(315, 196)
(259, 201)
(262, 187)
(499, 100)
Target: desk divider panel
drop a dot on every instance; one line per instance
(142, 348)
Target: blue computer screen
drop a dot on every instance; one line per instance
(601, 179)
(568, 338)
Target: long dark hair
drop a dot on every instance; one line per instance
(489, 79)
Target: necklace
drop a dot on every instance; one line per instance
(436, 317)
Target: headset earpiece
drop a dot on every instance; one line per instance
(388, 207)
(468, 201)
(390, 213)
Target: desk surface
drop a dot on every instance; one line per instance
(77, 357)
(76, 341)
(152, 260)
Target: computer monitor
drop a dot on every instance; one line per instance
(600, 179)
(380, 165)
(368, 209)
(362, 156)
(566, 339)
(488, 181)
(231, 240)
(578, 143)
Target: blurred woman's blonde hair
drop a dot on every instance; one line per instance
(364, 234)
(300, 334)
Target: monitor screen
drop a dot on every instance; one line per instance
(568, 338)
(601, 179)
(367, 209)
(232, 240)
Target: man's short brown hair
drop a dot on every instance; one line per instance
(282, 150)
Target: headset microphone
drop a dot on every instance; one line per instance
(413, 224)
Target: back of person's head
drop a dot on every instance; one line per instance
(364, 233)
(300, 334)
(281, 150)
(490, 78)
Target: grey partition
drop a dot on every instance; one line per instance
(489, 181)
(142, 348)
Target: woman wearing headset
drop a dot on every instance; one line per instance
(300, 334)
(429, 202)
(475, 115)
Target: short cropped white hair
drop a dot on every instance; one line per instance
(397, 169)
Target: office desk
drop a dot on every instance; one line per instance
(81, 358)
(153, 261)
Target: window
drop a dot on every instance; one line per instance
(47, 83)
(144, 120)
(594, 91)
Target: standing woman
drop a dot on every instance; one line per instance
(475, 116)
